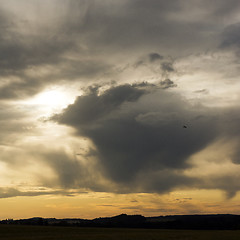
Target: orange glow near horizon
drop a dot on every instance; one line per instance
(93, 205)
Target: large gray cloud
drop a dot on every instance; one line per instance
(231, 37)
(138, 131)
(94, 106)
(139, 24)
(84, 39)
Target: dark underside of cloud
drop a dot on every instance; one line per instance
(144, 135)
(14, 192)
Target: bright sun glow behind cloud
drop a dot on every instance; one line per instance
(52, 100)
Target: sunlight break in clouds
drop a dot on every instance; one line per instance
(51, 101)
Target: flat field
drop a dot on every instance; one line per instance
(13, 232)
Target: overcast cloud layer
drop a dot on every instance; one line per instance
(154, 85)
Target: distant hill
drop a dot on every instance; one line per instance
(218, 221)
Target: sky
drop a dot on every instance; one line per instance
(110, 107)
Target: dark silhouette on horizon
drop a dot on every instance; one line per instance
(200, 222)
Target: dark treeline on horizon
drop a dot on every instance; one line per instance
(204, 222)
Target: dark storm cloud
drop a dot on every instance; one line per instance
(68, 171)
(137, 26)
(94, 106)
(167, 67)
(137, 131)
(127, 25)
(158, 65)
(154, 57)
(163, 180)
(83, 41)
(167, 83)
(224, 9)
(231, 36)
(141, 144)
(226, 182)
(166, 64)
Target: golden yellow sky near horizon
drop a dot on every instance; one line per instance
(93, 205)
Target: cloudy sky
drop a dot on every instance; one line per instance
(110, 107)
